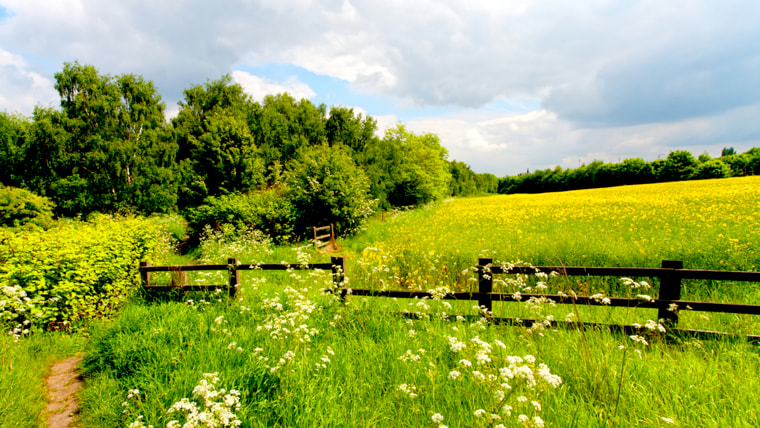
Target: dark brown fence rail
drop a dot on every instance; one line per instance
(670, 275)
(337, 266)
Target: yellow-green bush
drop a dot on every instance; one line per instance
(22, 208)
(73, 272)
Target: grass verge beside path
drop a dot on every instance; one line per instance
(23, 367)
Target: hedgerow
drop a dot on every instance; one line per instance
(73, 272)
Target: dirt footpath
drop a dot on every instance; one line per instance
(62, 385)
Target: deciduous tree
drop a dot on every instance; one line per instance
(105, 149)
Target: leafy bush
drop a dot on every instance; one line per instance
(19, 207)
(73, 272)
(679, 165)
(712, 168)
(326, 187)
(266, 210)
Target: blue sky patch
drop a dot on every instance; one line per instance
(4, 14)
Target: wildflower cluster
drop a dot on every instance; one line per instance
(290, 322)
(17, 308)
(216, 408)
(230, 241)
(510, 385)
(212, 407)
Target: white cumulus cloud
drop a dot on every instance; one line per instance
(259, 87)
(22, 86)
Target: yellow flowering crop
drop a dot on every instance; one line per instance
(708, 224)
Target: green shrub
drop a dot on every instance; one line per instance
(266, 210)
(326, 187)
(19, 207)
(74, 272)
(713, 168)
(679, 165)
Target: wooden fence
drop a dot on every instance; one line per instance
(670, 275)
(233, 268)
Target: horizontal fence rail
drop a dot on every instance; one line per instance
(337, 266)
(670, 275)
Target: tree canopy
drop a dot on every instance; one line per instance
(105, 150)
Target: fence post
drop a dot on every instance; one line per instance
(485, 284)
(234, 276)
(670, 289)
(144, 276)
(338, 271)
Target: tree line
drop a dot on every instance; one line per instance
(679, 165)
(110, 149)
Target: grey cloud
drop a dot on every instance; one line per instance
(602, 64)
(702, 61)
(665, 88)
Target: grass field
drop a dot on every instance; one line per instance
(286, 354)
(297, 357)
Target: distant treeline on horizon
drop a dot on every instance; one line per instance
(678, 166)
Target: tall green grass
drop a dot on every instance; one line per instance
(350, 371)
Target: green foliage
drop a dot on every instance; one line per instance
(266, 210)
(406, 169)
(326, 187)
(712, 168)
(217, 154)
(463, 180)
(487, 183)
(680, 165)
(19, 207)
(75, 271)
(343, 127)
(13, 132)
(109, 149)
(283, 126)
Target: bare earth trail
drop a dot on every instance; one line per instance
(62, 386)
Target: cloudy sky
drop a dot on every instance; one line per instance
(508, 85)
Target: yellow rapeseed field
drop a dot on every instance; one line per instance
(709, 224)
